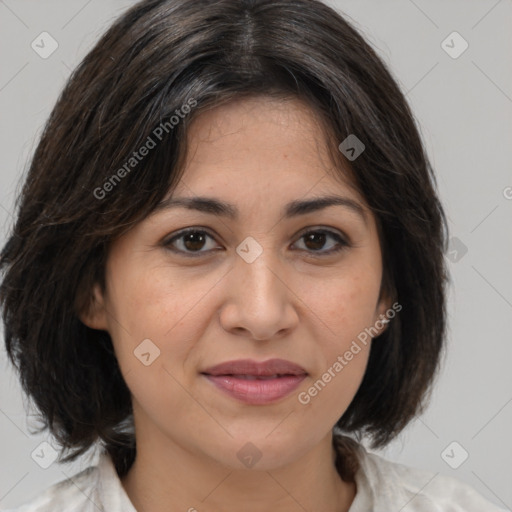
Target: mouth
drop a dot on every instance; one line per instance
(256, 383)
(271, 368)
(255, 377)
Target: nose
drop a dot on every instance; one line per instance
(259, 302)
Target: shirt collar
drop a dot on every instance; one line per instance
(112, 494)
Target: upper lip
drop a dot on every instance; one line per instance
(251, 367)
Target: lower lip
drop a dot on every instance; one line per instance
(257, 392)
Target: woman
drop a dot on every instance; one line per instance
(227, 268)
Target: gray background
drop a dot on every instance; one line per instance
(463, 106)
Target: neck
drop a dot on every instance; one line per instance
(174, 479)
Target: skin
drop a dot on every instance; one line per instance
(290, 302)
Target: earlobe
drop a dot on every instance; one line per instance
(382, 318)
(95, 314)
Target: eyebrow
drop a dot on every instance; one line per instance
(293, 209)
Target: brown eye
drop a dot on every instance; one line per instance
(316, 240)
(194, 241)
(189, 242)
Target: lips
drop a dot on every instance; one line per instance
(256, 383)
(253, 369)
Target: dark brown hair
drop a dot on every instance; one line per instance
(156, 58)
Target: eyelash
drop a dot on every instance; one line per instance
(342, 243)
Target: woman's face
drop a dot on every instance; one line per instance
(258, 279)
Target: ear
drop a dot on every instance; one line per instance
(95, 314)
(381, 320)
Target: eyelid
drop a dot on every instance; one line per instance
(167, 241)
(324, 229)
(343, 241)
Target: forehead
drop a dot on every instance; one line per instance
(262, 144)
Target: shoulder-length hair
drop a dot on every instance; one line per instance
(85, 187)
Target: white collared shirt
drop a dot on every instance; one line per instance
(382, 486)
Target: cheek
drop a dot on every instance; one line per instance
(346, 304)
(160, 304)
(346, 307)
(156, 322)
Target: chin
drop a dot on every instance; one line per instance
(260, 451)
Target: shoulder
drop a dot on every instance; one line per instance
(77, 493)
(393, 484)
